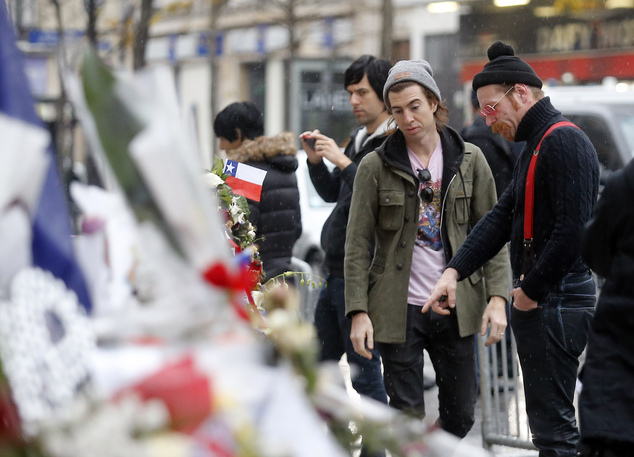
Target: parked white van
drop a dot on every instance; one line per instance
(606, 114)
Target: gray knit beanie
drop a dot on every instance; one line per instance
(418, 71)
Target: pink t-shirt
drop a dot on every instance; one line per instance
(428, 261)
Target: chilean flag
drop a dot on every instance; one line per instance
(244, 179)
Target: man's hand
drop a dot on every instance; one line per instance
(308, 143)
(495, 317)
(444, 293)
(521, 301)
(326, 148)
(362, 334)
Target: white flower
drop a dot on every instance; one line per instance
(237, 215)
(212, 180)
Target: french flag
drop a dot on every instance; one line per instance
(52, 247)
(244, 179)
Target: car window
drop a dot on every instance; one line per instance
(625, 118)
(601, 137)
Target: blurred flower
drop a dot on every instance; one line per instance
(212, 180)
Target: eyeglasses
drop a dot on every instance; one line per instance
(489, 110)
(426, 193)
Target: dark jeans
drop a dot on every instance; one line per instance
(333, 331)
(605, 448)
(453, 358)
(550, 340)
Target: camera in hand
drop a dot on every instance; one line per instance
(310, 142)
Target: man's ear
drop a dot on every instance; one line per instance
(522, 90)
(239, 134)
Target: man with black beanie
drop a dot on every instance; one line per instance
(542, 213)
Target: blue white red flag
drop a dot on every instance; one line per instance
(244, 179)
(52, 247)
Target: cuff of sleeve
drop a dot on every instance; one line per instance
(533, 292)
(348, 173)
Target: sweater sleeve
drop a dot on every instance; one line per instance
(326, 182)
(487, 238)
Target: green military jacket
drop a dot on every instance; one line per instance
(384, 215)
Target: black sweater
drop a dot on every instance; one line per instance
(566, 188)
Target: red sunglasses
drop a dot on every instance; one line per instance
(489, 110)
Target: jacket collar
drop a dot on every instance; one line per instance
(394, 152)
(264, 148)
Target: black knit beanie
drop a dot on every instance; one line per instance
(505, 68)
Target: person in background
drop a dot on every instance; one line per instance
(607, 399)
(277, 216)
(554, 293)
(414, 200)
(363, 80)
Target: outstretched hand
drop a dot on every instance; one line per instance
(443, 295)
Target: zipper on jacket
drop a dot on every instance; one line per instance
(442, 214)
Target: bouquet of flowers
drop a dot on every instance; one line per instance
(234, 207)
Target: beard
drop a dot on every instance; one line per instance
(362, 117)
(501, 129)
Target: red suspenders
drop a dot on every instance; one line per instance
(529, 197)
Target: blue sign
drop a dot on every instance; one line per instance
(203, 45)
(51, 37)
(329, 39)
(261, 48)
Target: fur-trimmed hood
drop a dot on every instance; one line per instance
(264, 148)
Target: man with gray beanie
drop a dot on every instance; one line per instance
(542, 213)
(414, 199)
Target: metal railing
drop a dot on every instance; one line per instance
(308, 295)
(504, 419)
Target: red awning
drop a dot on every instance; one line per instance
(584, 66)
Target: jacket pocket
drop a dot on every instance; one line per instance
(463, 201)
(476, 277)
(391, 209)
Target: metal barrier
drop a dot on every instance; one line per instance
(308, 295)
(504, 420)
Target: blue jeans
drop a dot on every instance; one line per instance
(333, 331)
(550, 339)
(453, 358)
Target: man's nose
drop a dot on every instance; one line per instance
(490, 120)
